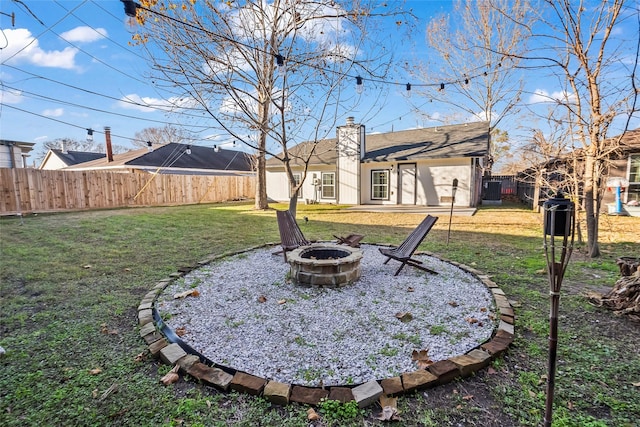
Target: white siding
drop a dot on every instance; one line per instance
(348, 164)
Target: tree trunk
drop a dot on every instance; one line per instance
(261, 201)
(591, 214)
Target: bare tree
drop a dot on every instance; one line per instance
(229, 58)
(595, 68)
(478, 51)
(160, 135)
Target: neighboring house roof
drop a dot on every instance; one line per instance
(173, 158)
(71, 158)
(465, 140)
(630, 140)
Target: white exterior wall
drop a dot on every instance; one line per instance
(278, 186)
(434, 179)
(7, 152)
(53, 162)
(348, 163)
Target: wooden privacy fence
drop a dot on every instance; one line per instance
(35, 190)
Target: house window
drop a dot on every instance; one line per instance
(380, 185)
(329, 185)
(296, 177)
(634, 178)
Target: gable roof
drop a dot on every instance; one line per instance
(71, 158)
(465, 140)
(172, 158)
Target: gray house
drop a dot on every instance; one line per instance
(411, 167)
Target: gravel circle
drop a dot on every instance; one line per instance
(250, 317)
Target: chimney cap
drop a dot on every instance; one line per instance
(350, 120)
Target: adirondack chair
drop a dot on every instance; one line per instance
(352, 240)
(404, 252)
(291, 236)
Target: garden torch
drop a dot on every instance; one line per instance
(559, 227)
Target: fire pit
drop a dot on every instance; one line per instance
(325, 265)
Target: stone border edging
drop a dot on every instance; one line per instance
(164, 343)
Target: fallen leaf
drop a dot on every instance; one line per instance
(491, 371)
(388, 401)
(181, 331)
(532, 394)
(94, 393)
(570, 405)
(459, 407)
(140, 357)
(467, 397)
(127, 269)
(389, 413)
(171, 376)
(87, 266)
(282, 301)
(471, 320)
(453, 304)
(262, 298)
(542, 380)
(636, 384)
(404, 316)
(421, 358)
(312, 415)
(410, 289)
(192, 292)
(95, 371)
(483, 309)
(107, 392)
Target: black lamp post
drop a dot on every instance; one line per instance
(559, 227)
(454, 188)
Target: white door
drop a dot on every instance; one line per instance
(407, 184)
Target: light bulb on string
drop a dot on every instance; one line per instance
(408, 90)
(359, 85)
(188, 151)
(89, 135)
(282, 69)
(130, 12)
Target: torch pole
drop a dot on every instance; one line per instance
(559, 220)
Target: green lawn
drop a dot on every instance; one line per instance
(70, 285)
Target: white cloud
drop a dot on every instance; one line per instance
(23, 47)
(541, 96)
(84, 34)
(8, 96)
(147, 104)
(53, 112)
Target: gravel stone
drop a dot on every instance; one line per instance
(316, 336)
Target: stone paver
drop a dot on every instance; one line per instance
(277, 392)
(171, 354)
(417, 380)
(367, 393)
(248, 383)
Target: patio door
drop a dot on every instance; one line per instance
(407, 184)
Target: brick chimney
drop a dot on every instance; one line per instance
(107, 137)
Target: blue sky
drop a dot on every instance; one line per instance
(66, 65)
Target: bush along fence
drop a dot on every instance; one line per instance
(24, 191)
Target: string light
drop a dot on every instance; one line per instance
(359, 85)
(188, 151)
(131, 11)
(282, 69)
(408, 90)
(89, 135)
(130, 15)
